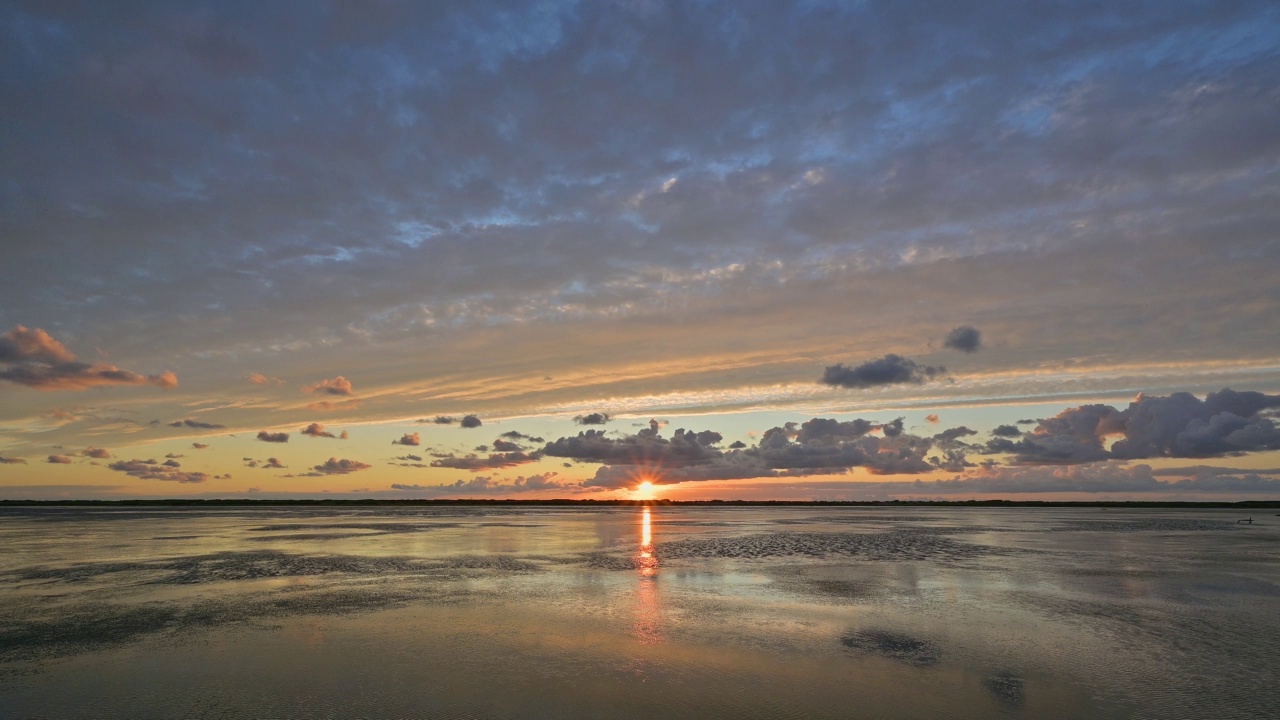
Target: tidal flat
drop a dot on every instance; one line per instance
(631, 612)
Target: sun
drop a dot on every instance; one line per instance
(644, 491)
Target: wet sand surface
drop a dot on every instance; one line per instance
(628, 612)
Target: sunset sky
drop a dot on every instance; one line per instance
(812, 250)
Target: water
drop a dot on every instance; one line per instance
(623, 612)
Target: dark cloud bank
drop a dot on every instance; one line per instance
(1180, 425)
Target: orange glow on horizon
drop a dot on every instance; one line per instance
(645, 490)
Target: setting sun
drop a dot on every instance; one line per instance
(644, 491)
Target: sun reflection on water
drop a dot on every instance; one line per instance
(647, 560)
(646, 628)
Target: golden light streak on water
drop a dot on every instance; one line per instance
(646, 627)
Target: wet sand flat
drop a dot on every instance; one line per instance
(557, 612)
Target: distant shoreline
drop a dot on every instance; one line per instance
(565, 502)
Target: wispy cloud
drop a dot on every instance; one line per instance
(260, 379)
(197, 424)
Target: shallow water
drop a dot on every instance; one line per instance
(624, 612)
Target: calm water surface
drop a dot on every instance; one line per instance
(627, 612)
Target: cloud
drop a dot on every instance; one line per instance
(1204, 471)
(492, 461)
(260, 379)
(199, 446)
(932, 418)
(817, 446)
(66, 415)
(1099, 479)
(952, 434)
(78, 376)
(830, 445)
(832, 237)
(59, 460)
(888, 370)
(278, 437)
(485, 485)
(646, 447)
(409, 458)
(964, 338)
(828, 430)
(333, 466)
(98, 453)
(337, 386)
(1007, 431)
(35, 359)
(470, 421)
(32, 345)
(329, 405)
(12, 461)
(848, 226)
(440, 420)
(171, 463)
(196, 424)
(1094, 478)
(595, 418)
(410, 439)
(516, 435)
(500, 445)
(1069, 438)
(1179, 425)
(151, 470)
(316, 430)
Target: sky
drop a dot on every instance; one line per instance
(810, 250)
